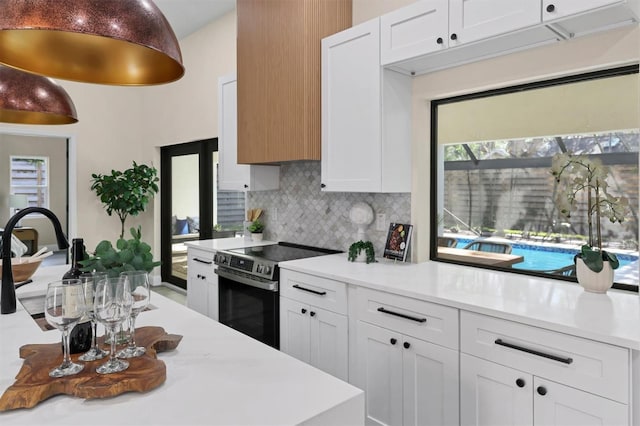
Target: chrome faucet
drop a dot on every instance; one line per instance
(8, 291)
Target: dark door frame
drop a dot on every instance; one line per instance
(205, 149)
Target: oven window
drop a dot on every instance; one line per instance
(494, 191)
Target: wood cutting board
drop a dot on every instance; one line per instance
(34, 385)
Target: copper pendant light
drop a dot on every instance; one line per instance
(119, 42)
(32, 99)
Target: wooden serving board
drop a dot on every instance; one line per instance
(34, 385)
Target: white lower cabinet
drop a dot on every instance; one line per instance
(202, 283)
(313, 323)
(492, 394)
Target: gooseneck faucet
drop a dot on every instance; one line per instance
(8, 291)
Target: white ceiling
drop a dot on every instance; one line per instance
(188, 16)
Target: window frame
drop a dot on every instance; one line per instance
(47, 187)
(435, 167)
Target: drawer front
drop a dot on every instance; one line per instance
(424, 320)
(592, 366)
(317, 291)
(200, 262)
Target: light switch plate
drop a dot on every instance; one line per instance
(381, 222)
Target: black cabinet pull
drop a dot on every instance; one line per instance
(313, 314)
(542, 390)
(303, 310)
(439, 40)
(322, 185)
(319, 293)
(246, 186)
(393, 341)
(520, 383)
(406, 345)
(564, 360)
(206, 262)
(551, 8)
(454, 36)
(398, 314)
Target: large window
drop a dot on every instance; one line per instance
(494, 192)
(30, 181)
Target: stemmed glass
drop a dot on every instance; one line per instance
(112, 305)
(63, 308)
(140, 292)
(89, 284)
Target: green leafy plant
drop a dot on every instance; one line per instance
(256, 227)
(356, 248)
(126, 192)
(128, 255)
(574, 175)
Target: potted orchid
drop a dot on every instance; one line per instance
(576, 175)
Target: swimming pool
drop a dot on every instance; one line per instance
(542, 258)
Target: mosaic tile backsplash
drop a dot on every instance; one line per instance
(300, 213)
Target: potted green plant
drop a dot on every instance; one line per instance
(362, 251)
(126, 192)
(256, 228)
(576, 174)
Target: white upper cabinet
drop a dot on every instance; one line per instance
(575, 18)
(366, 126)
(231, 175)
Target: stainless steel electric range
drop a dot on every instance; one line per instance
(249, 287)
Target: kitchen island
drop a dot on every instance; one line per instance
(216, 376)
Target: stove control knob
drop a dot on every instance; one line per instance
(267, 269)
(259, 269)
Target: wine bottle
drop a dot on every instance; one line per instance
(81, 335)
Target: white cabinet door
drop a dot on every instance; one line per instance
(430, 385)
(556, 9)
(472, 20)
(329, 342)
(294, 329)
(200, 277)
(559, 405)
(213, 296)
(380, 374)
(491, 394)
(231, 175)
(417, 29)
(351, 105)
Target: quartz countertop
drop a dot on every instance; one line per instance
(216, 376)
(226, 243)
(613, 317)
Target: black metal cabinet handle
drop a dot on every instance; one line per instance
(398, 314)
(551, 8)
(303, 310)
(393, 341)
(322, 185)
(246, 186)
(542, 390)
(454, 36)
(206, 262)
(319, 293)
(406, 345)
(313, 314)
(520, 383)
(439, 40)
(564, 360)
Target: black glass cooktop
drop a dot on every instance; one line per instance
(284, 251)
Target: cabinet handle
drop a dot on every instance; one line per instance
(313, 314)
(551, 8)
(398, 314)
(320, 293)
(393, 341)
(198, 276)
(454, 36)
(303, 310)
(439, 40)
(246, 186)
(206, 262)
(203, 277)
(542, 390)
(322, 185)
(520, 383)
(406, 345)
(564, 360)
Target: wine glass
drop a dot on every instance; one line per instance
(89, 284)
(140, 292)
(64, 306)
(111, 306)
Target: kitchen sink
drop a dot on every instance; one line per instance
(34, 305)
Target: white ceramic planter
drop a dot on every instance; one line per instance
(256, 236)
(594, 282)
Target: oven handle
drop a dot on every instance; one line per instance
(264, 285)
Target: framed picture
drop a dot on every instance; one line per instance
(398, 240)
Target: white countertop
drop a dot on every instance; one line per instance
(226, 243)
(216, 376)
(565, 307)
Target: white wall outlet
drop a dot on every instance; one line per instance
(381, 222)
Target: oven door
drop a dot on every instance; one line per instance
(249, 306)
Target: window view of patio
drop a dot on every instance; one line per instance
(496, 197)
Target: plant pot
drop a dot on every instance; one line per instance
(594, 282)
(361, 257)
(256, 236)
